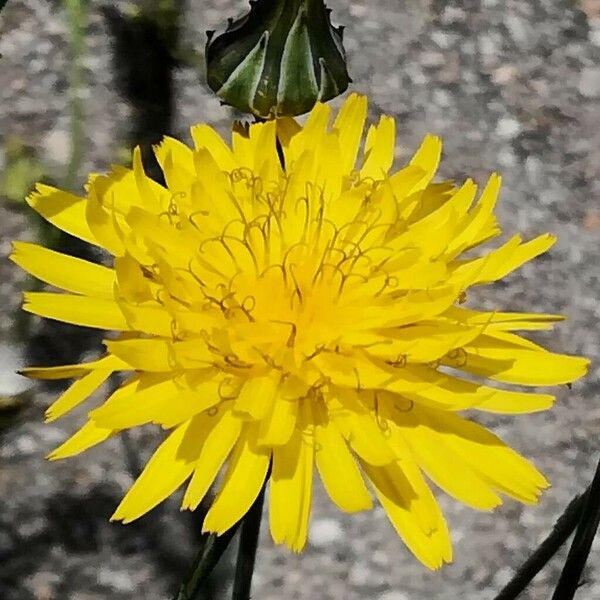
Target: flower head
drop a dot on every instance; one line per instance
(299, 309)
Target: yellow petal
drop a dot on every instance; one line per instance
(415, 306)
(315, 125)
(77, 393)
(501, 321)
(89, 435)
(219, 434)
(290, 491)
(391, 482)
(205, 137)
(78, 310)
(102, 220)
(63, 271)
(502, 261)
(422, 342)
(380, 145)
(339, 472)
(156, 398)
(70, 371)
(427, 158)
(184, 406)
(522, 366)
(182, 155)
(63, 210)
(405, 182)
(359, 427)
(358, 372)
(277, 428)
(179, 180)
(161, 354)
(167, 469)
(148, 317)
(133, 286)
(505, 402)
(478, 217)
(488, 456)
(244, 479)
(442, 464)
(256, 397)
(150, 194)
(349, 125)
(416, 515)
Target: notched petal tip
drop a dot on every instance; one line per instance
(49, 417)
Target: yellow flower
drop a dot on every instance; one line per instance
(281, 319)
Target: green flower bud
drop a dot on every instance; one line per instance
(279, 59)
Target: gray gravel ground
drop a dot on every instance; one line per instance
(510, 85)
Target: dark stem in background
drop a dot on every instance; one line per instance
(546, 550)
(144, 47)
(247, 549)
(212, 547)
(582, 543)
(573, 515)
(76, 17)
(51, 342)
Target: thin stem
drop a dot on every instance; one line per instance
(75, 12)
(247, 549)
(131, 456)
(211, 549)
(582, 543)
(546, 550)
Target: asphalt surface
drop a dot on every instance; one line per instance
(512, 86)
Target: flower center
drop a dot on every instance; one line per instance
(301, 279)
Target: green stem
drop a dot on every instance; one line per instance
(563, 528)
(247, 549)
(582, 543)
(211, 549)
(76, 13)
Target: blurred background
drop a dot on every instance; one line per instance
(510, 85)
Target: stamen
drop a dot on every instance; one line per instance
(297, 290)
(306, 225)
(196, 278)
(248, 247)
(382, 422)
(175, 333)
(459, 355)
(269, 361)
(391, 281)
(294, 330)
(221, 393)
(408, 408)
(235, 361)
(318, 350)
(277, 266)
(399, 362)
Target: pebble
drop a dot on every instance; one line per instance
(324, 532)
(11, 360)
(589, 84)
(508, 127)
(393, 596)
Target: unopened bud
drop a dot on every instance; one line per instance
(279, 59)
